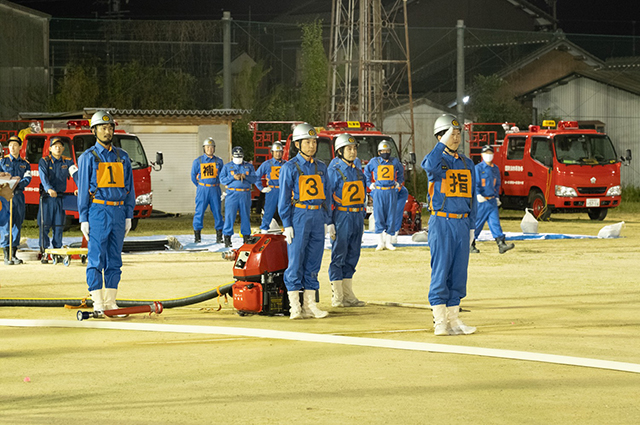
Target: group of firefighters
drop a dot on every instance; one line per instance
(311, 198)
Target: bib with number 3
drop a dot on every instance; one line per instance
(385, 172)
(110, 174)
(457, 184)
(352, 193)
(310, 187)
(275, 173)
(208, 170)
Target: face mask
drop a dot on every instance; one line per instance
(487, 157)
(385, 155)
(237, 161)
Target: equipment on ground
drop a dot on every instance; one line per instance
(156, 308)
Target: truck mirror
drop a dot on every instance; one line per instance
(412, 155)
(628, 157)
(159, 158)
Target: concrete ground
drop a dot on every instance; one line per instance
(576, 298)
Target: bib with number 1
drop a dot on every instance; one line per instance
(310, 187)
(110, 174)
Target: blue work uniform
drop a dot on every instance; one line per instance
(270, 169)
(451, 197)
(20, 168)
(4, 211)
(403, 196)
(238, 196)
(304, 205)
(205, 174)
(488, 185)
(347, 188)
(106, 198)
(54, 174)
(388, 177)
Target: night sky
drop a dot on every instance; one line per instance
(618, 17)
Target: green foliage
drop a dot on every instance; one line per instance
(78, 89)
(313, 100)
(492, 100)
(630, 194)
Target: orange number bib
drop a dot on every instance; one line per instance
(275, 173)
(457, 184)
(385, 172)
(110, 174)
(352, 193)
(311, 187)
(208, 170)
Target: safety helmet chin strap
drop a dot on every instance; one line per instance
(341, 156)
(303, 152)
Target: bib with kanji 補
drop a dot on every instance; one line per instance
(208, 170)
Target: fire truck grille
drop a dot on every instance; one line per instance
(592, 190)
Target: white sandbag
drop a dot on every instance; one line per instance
(274, 226)
(372, 223)
(529, 224)
(611, 231)
(420, 236)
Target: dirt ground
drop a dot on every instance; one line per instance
(566, 297)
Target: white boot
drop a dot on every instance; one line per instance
(309, 307)
(98, 301)
(337, 295)
(394, 238)
(457, 326)
(440, 322)
(350, 299)
(380, 246)
(110, 300)
(295, 310)
(387, 242)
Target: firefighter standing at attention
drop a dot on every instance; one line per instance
(238, 176)
(270, 169)
(205, 173)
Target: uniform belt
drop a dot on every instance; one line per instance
(308, 207)
(350, 209)
(238, 190)
(112, 203)
(450, 215)
(275, 187)
(385, 187)
(208, 185)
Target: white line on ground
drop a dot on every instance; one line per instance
(332, 339)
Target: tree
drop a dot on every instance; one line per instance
(313, 100)
(492, 100)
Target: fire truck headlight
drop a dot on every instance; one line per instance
(145, 199)
(614, 191)
(565, 191)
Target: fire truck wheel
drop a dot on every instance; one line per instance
(597, 214)
(538, 205)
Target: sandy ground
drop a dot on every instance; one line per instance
(566, 297)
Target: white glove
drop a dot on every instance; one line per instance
(445, 138)
(472, 236)
(331, 229)
(397, 186)
(127, 226)
(372, 186)
(498, 201)
(288, 234)
(84, 228)
(266, 189)
(224, 194)
(481, 198)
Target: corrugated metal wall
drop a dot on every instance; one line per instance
(586, 99)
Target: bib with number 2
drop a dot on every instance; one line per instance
(353, 193)
(385, 172)
(310, 187)
(110, 174)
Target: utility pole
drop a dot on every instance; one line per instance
(460, 79)
(226, 61)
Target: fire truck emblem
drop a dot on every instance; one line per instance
(593, 180)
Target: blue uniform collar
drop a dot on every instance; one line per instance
(301, 158)
(102, 149)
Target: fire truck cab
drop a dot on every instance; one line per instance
(553, 168)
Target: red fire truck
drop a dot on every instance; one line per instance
(553, 168)
(77, 137)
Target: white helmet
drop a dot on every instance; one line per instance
(102, 117)
(277, 147)
(344, 139)
(444, 123)
(384, 145)
(209, 142)
(304, 131)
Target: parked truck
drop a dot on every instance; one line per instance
(553, 168)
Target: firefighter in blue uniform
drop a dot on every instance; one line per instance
(205, 173)
(17, 167)
(270, 169)
(304, 209)
(488, 196)
(54, 171)
(106, 199)
(238, 176)
(451, 198)
(385, 177)
(347, 188)
(403, 196)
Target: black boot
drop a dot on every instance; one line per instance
(245, 238)
(15, 259)
(473, 248)
(7, 257)
(503, 246)
(218, 236)
(227, 241)
(196, 236)
(44, 258)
